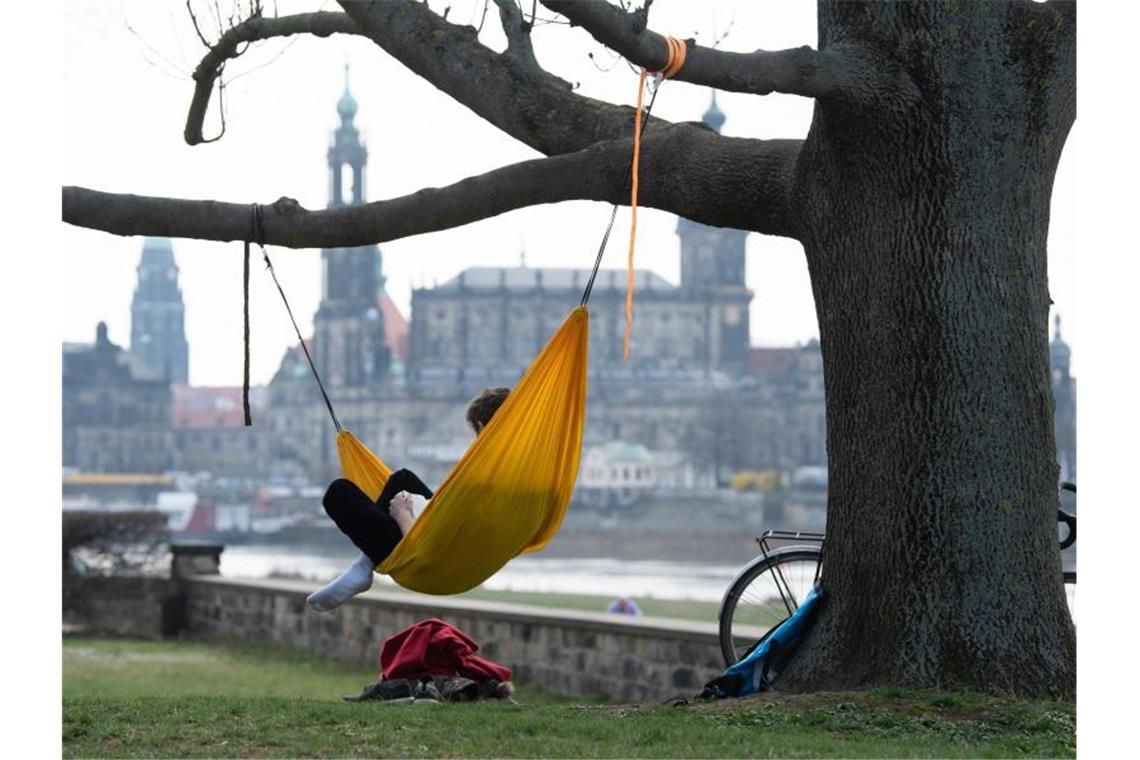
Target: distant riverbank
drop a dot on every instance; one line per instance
(594, 577)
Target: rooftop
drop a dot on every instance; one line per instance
(199, 406)
(521, 278)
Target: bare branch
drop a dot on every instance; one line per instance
(320, 24)
(521, 99)
(711, 167)
(517, 31)
(482, 16)
(197, 29)
(842, 72)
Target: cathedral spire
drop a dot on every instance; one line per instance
(714, 117)
(349, 325)
(346, 106)
(347, 155)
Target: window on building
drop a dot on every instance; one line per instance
(346, 177)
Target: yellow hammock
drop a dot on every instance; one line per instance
(508, 494)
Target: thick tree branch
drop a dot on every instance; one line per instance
(517, 31)
(321, 24)
(511, 92)
(683, 167)
(840, 72)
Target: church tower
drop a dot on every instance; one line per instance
(348, 326)
(1064, 403)
(158, 334)
(712, 272)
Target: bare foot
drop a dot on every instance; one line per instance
(401, 510)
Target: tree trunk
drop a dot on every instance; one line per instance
(925, 230)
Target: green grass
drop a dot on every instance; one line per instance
(127, 669)
(146, 699)
(671, 608)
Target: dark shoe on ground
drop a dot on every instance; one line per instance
(385, 690)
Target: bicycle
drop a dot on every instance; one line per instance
(769, 588)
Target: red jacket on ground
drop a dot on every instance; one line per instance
(433, 647)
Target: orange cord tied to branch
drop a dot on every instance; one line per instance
(676, 60)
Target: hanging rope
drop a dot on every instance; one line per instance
(259, 238)
(613, 215)
(676, 60)
(257, 233)
(672, 68)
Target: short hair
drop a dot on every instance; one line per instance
(484, 406)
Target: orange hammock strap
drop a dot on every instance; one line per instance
(677, 52)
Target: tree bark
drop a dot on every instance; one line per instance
(925, 231)
(845, 71)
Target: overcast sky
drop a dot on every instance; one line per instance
(127, 87)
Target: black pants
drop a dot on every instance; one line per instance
(367, 523)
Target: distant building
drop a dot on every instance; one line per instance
(790, 406)
(485, 325)
(210, 433)
(116, 410)
(1065, 404)
(158, 335)
(349, 325)
(359, 343)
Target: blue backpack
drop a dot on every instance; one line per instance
(768, 656)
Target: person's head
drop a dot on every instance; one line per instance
(483, 406)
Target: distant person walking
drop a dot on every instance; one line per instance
(623, 605)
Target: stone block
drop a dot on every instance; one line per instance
(685, 678)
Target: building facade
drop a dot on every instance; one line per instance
(116, 410)
(210, 433)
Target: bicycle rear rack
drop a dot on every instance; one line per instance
(785, 537)
(789, 535)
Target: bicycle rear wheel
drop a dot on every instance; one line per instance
(765, 592)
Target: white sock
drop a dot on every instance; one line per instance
(355, 580)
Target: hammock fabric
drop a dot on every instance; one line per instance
(508, 494)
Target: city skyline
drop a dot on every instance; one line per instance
(280, 118)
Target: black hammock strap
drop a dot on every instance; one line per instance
(259, 238)
(245, 336)
(613, 213)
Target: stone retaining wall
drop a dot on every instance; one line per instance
(141, 607)
(578, 654)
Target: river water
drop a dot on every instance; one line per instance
(607, 577)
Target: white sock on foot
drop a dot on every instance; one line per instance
(355, 580)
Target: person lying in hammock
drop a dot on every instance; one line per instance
(375, 527)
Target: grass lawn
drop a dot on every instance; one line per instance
(148, 699)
